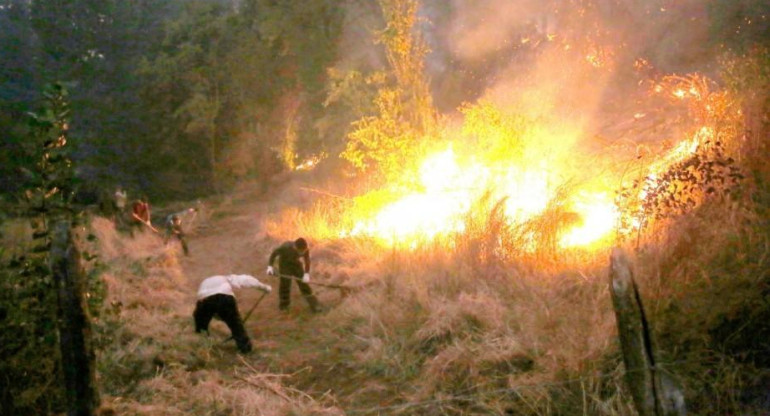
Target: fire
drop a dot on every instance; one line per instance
(449, 189)
(311, 162)
(599, 217)
(438, 209)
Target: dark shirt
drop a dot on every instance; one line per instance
(289, 257)
(173, 227)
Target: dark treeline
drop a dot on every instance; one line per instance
(178, 98)
(175, 98)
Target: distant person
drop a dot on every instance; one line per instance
(140, 214)
(291, 255)
(216, 298)
(173, 225)
(119, 199)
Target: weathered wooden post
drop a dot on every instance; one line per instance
(653, 392)
(78, 360)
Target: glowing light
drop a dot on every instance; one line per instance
(414, 217)
(527, 194)
(599, 218)
(449, 190)
(438, 209)
(311, 162)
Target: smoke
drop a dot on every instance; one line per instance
(483, 46)
(581, 65)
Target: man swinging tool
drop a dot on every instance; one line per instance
(140, 214)
(216, 298)
(291, 255)
(174, 228)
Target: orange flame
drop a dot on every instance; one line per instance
(449, 190)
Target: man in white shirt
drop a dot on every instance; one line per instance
(216, 298)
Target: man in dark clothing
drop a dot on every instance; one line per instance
(174, 229)
(216, 298)
(291, 255)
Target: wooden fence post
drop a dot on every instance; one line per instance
(653, 392)
(78, 360)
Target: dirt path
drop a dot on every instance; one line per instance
(298, 342)
(232, 242)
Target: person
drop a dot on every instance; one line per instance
(174, 229)
(291, 255)
(140, 214)
(119, 199)
(216, 298)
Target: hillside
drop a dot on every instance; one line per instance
(157, 360)
(425, 332)
(462, 171)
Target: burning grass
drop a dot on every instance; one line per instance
(505, 310)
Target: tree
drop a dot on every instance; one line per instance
(405, 119)
(30, 313)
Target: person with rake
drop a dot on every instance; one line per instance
(217, 298)
(174, 228)
(140, 215)
(293, 264)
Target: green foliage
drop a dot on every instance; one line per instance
(30, 364)
(405, 119)
(234, 91)
(163, 88)
(350, 96)
(384, 143)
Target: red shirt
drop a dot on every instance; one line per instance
(142, 210)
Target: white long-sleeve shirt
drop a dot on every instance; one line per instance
(225, 284)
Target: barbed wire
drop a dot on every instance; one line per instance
(516, 389)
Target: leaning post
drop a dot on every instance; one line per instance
(654, 392)
(78, 360)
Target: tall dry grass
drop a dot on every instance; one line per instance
(474, 323)
(151, 362)
(469, 321)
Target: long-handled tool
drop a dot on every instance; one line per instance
(147, 223)
(343, 289)
(248, 314)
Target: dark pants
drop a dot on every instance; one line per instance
(179, 236)
(225, 308)
(284, 289)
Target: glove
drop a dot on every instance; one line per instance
(266, 288)
(270, 271)
(306, 278)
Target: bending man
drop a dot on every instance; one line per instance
(216, 298)
(291, 256)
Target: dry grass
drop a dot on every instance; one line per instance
(493, 320)
(152, 362)
(472, 326)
